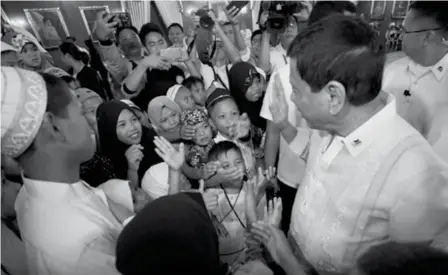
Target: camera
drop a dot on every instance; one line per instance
(205, 20)
(279, 13)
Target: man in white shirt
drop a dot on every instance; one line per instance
(370, 176)
(67, 226)
(420, 81)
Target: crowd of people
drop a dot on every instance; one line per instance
(309, 151)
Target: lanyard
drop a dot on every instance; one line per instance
(219, 78)
(285, 59)
(232, 206)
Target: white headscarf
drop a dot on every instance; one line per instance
(172, 92)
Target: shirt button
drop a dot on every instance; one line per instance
(440, 68)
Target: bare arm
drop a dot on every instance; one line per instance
(231, 50)
(272, 144)
(173, 181)
(265, 56)
(135, 78)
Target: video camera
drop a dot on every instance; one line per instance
(279, 13)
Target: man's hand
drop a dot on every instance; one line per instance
(166, 151)
(232, 15)
(279, 105)
(102, 28)
(187, 132)
(157, 62)
(263, 19)
(274, 240)
(241, 128)
(210, 169)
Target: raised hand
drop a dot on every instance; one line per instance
(174, 158)
(210, 169)
(134, 156)
(102, 28)
(263, 19)
(187, 132)
(241, 128)
(273, 239)
(212, 15)
(273, 212)
(155, 61)
(279, 105)
(232, 15)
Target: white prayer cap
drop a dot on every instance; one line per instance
(6, 47)
(172, 91)
(23, 105)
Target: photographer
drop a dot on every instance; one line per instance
(293, 17)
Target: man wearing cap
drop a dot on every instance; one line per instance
(67, 226)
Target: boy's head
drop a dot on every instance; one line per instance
(196, 86)
(223, 111)
(182, 96)
(228, 154)
(393, 258)
(198, 118)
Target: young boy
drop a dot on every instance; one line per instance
(182, 96)
(226, 118)
(196, 86)
(233, 200)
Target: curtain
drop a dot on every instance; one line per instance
(140, 11)
(170, 12)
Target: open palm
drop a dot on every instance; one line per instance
(279, 105)
(174, 158)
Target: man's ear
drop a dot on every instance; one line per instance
(337, 96)
(51, 126)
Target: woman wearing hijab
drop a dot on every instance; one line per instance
(127, 143)
(164, 115)
(247, 86)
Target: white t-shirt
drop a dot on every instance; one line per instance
(278, 57)
(290, 166)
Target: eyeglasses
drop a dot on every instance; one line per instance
(424, 30)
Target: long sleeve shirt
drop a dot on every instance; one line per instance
(67, 228)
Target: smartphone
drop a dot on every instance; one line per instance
(237, 4)
(123, 19)
(172, 53)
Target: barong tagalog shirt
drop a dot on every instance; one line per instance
(67, 228)
(382, 182)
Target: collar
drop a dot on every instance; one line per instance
(440, 69)
(367, 133)
(279, 48)
(55, 191)
(219, 137)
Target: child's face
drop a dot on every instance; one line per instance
(255, 90)
(203, 134)
(184, 99)
(232, 159)
(169, 120)
(225, 115)
(199, 93)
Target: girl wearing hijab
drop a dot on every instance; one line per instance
(31, 58)
(87, 77)
(127, 143)
(164, 115)
(247, 86)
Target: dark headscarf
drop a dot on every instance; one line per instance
(111, 147)
(240, 78)
(171, 235)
